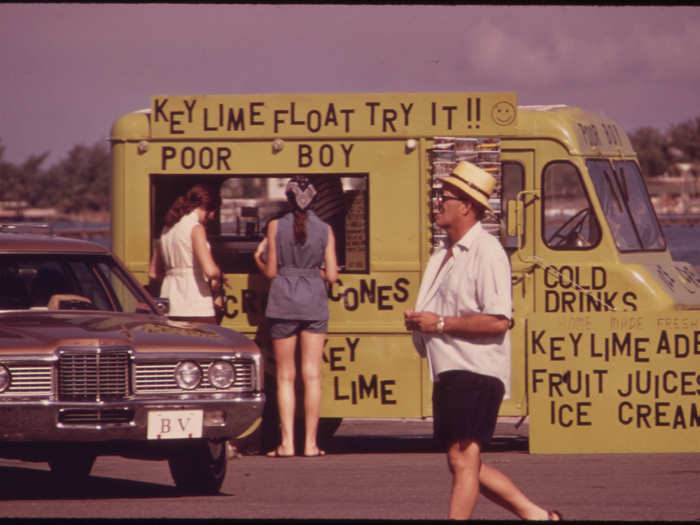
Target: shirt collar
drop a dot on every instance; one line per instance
(468, 239)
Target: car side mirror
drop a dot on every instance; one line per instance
(162, 304)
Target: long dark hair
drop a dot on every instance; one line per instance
(300, 225)
(197, 196)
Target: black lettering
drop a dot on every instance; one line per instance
(639, 350)
(368, 389)
(304, 156)
(400, 286)
(372, 106)
(347, 151)
(331, 117)
(325, 155)
(236, 122)
(166, 153)
(449, 110)
(368, 291)
(352, 344)
(255, 113)
(660, 415)
(206, 158)
(384, 298)
(346, 113)
(386, 392)
(598, 278)
(335, 358)
(187, 157)
(536, 342)
(390, 116)
(207, 127)
(336, 390)
(351, 299)
(222, 156)
(176, 122)
(230, 312)
(628, 298)
(190, 108)
(159, 113)
(313, 128)
(548, 306)
(620, 417)
(278, 120)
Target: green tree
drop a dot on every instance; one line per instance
(81, 182)
(686, 137)
(652, 151)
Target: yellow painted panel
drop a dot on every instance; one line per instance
(614, 383)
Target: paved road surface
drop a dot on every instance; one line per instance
(375, 469)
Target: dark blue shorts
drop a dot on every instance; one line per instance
(465, 406)
(282, 328)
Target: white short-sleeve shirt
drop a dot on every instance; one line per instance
(476, 279)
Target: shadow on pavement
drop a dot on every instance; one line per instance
(31, 484)
(412, 444)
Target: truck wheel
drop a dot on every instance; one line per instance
(199, 468)
(73, 467)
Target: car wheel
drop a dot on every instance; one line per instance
(199, 468)
(72, 466)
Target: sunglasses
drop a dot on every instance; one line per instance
(442, 198)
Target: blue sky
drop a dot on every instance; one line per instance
(70, 70)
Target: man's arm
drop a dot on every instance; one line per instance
(458, 326)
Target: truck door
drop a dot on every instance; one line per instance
(517, 178)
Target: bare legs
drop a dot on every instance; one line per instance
(311, 355)
(470, 476)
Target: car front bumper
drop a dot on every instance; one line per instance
(124, 420)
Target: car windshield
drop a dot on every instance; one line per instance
(67, 282)
(626, 204)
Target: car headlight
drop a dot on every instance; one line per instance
(222, 374)
(4, 378)
(188, 375)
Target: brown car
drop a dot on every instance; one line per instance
(89, 366)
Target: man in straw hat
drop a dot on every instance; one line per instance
(461, 323)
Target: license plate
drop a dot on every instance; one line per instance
(175, 424)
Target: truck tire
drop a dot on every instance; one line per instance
(72, 467)
(200, 468)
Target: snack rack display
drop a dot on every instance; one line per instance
(445, 154)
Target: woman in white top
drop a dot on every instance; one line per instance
(183, 257)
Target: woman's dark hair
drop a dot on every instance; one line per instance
(300, 226)
(197, 196)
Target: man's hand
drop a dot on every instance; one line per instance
(421, 321)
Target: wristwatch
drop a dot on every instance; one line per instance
(440, 324)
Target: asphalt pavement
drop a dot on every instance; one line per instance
(374, 470)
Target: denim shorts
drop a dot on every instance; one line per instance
(281, 328)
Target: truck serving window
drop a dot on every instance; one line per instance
(626, 205)
(569, 220)
(250, 202)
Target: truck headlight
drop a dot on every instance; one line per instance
(4, 378)
(188, 375)
(222, 374)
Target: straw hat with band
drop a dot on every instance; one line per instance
(472, 180)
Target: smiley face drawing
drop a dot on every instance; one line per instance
(503, 113)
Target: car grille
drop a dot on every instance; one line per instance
(93, 375)
(96, 417)
(29, 380)
(158, 377)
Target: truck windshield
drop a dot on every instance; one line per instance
(626, 205)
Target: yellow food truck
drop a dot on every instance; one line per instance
(606, 326)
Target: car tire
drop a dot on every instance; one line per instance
(199, 468)
(73, 467)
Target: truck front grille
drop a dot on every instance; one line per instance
(93, 375)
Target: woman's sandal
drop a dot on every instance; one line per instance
(318, 454)
(554, 515)
(275, 453)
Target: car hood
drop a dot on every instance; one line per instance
(42, 332)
